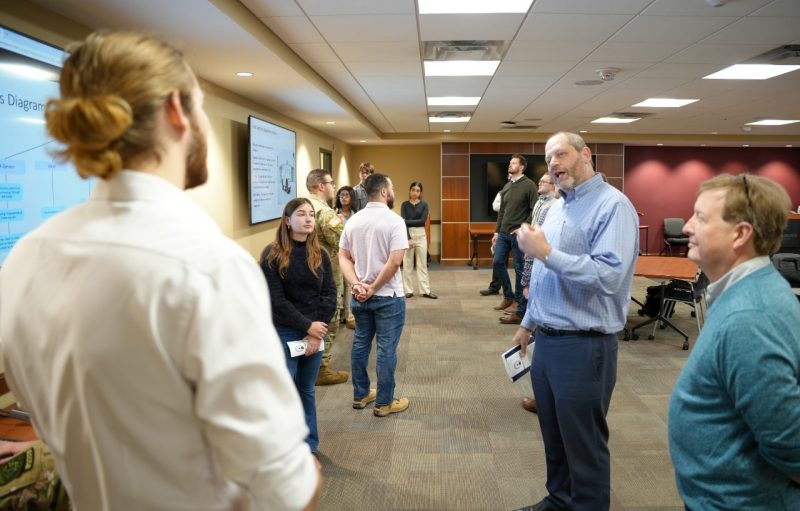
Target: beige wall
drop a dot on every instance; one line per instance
(224, 197)
(404, 164)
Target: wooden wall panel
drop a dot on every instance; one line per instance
(455, 241)
(616, 182)
(455, 165)
(500, 147)
(455, 188)
(455, 211)
(455, 148)
(611, 166)
(617, 149)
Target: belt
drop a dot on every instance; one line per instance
(552, 332)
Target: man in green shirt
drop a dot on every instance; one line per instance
(329, 229)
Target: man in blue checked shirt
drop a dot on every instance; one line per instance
(585, 254)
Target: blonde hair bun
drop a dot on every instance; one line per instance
(90, 128)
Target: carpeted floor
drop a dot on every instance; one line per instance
(465, 442)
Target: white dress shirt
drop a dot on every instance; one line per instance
(140, 338)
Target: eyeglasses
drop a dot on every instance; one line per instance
(344, 195)
(545, 183)
(747, 194)
(332, 183)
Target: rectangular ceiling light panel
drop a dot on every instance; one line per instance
(461, 67)
(751, 72)
(665, 102)
(473, 6)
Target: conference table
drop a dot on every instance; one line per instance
(663, 269)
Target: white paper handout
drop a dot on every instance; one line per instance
(297, 348)
(515, 364)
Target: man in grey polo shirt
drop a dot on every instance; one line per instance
(371, 249)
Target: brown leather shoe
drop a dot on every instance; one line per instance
(529, 404)
(511, 320)
(505, 303)
(512, 308)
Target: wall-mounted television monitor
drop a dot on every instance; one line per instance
(488, 174)
(33, 185)
(272, 181)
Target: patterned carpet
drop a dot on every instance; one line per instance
(465, 442)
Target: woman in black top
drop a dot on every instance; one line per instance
(415, 212)
(346, 207)
(303, 295)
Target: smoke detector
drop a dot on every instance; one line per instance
(607, 74)
(715, 3)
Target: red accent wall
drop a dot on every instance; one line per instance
(662, 182)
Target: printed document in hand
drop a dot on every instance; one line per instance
(515, 364)
(297, 348)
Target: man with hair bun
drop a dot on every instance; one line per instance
(139, 336)
(734, 415)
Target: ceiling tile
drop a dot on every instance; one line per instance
(387, 70)
(549, 50)
(571, 27)
(700, 8)
(758, 31)
(584, 7)
(468, 27)
(367, 28)
(378, 51)
(328, 8)
(640, 52)
(670, 29)
(726, 54)
(779, 8)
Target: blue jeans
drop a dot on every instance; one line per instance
(304, 372)
(573, 379)
(381, 317)
(508, 243)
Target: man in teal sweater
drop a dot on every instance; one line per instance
(734, 416)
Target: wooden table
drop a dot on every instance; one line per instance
(475, 232)
(663, 269)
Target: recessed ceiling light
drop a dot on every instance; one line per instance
(772, 122)
(788, 145)
(473, 6)
(330, 123)
(615, 120)
(745, 145)
(461, 67)
(446, 131)
(714, 132)
(362, 140)
(702, 145)
(659, 144)
(665, 102)
(750, 72)
(244, 74)
(584, 131)
(449, 119)
(453, 100)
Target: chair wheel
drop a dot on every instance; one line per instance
(651, 337)
(635, 336)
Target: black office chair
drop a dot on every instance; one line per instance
(673, 235)
(788, 265)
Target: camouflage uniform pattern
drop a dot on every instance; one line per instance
(29, 481)
(329, 229)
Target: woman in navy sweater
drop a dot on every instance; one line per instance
(303, 296)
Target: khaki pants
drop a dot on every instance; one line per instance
(333, 326)
(418, 253)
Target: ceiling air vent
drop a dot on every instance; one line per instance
(786, 55)
(450, 114)
(511, 125)
(443, 51)
(630, 115)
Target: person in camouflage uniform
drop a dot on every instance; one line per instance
(28, 478)
(329, 229)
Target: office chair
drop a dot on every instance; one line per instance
(673, 235)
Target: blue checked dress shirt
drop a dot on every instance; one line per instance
(586, 282)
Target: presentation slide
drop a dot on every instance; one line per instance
(33, 185)
(273, 182)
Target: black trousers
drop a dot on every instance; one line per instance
(573, 378)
